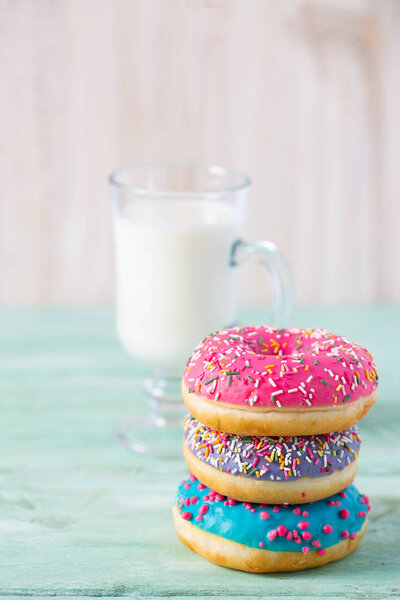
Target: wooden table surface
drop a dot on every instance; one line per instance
(80, 516)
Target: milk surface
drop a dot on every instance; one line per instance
(174, 283)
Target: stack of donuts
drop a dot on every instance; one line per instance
(272, 447)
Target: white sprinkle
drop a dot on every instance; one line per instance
(277, 393)
(257, 383)
(272, 382)
(253, 399)
(278, 404)
(292, 390)
(309, 378)
(308, 402)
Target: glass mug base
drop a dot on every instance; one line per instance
(160, 433)
(151, 435)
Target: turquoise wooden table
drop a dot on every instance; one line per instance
(80, 516)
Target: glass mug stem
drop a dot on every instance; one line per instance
(268, 255)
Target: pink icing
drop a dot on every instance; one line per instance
(267, 366)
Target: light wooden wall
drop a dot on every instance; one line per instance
(304, 96)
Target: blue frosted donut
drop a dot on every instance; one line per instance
(268, 537)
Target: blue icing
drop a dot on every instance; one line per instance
(244, 523)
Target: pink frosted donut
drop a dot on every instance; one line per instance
(270, 381)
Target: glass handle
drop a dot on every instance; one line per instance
(268, 255)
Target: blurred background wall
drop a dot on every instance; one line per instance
(304, 96)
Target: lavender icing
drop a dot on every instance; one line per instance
(272, 458)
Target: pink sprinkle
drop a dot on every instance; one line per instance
(303, 494)
(295, 534)
(338, 503)
(289, 535)
(199, 518)
(298, 540)
(275, 509)
(368, 507)
(248, 506)
(331, 503)
(344, 513)
(253, 510)
(345, 534)
(203, 509)
(219, 497)
(186, 486)
(206, 498)
(192, 477)
(187, 501)
(231, 501)
(264, 515)
(321, 552)
(327, 529)
(201, 486)
(303, 525)
(316, 543)
(306, 535)
(264, 505)
(353, 535)
(186, 515)
(296, 511)
(262, 544)
(281, 529)
(272, 534)
(342, 494)
(193, 499)
(305, 513)
(305, 550)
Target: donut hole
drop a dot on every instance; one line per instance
(272, 345)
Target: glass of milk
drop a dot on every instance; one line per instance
(177, 248)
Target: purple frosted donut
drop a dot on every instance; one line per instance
(272, 469)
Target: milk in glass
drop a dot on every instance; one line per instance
(174, 283)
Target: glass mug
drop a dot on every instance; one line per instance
(177, 245)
